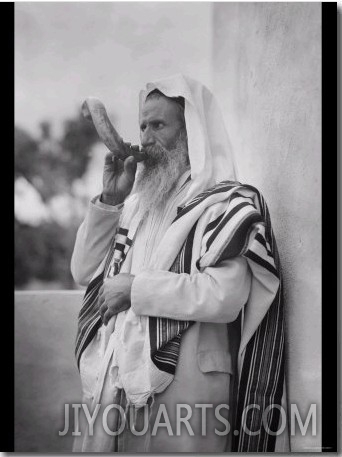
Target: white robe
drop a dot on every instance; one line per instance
(162, 293)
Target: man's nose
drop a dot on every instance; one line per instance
(147, 138)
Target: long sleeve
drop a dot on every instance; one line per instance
(93, 239)
(215, 295)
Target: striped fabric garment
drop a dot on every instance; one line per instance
(165, 334)
(89, 319)
(241, 227)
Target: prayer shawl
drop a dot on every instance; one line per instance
(239, 225)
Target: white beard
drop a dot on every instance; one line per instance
(158, 175)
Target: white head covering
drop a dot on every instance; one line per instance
(210, 152)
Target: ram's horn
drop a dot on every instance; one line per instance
(94, 110)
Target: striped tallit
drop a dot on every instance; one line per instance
(240, 226)
(89, 319)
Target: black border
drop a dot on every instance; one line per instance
(330, 162)
(7, 224)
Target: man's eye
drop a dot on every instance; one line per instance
(158, 125)
(142, 128)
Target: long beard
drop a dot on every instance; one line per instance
(158, 175)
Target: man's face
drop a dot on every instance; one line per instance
(163, 136)
(160, 123)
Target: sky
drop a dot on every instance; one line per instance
(65, 52)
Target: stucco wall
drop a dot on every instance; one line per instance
(267, 66)
(45, 370)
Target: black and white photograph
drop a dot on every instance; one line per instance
(168, 260)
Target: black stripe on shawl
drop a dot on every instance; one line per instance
(265, 214)
(185, 183)
(88, 304)
(188, 250)
(91, 291)
(93, 283)
(159, 361)
(202, 197)
(262, 241)
(213, 224)
(96, 325)
(120, 247)
(123, 231)
(261, 382)
(251, 255)
(237, 244)
(224, 221)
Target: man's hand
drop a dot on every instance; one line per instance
(115, 295)
(118, 179)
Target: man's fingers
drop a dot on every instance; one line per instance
(130, 165)
(109, 158)
(113, 161)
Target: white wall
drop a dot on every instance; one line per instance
(46, 375)
(267, 67)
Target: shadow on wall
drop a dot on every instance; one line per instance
(46, 376)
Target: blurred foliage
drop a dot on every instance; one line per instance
(79, 136)
(25, 154)
(43, 253)
(51, 165)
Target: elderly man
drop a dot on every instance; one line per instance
(182, 318)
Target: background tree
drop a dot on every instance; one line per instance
(42, 252)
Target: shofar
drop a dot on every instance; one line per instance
(94, 110)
